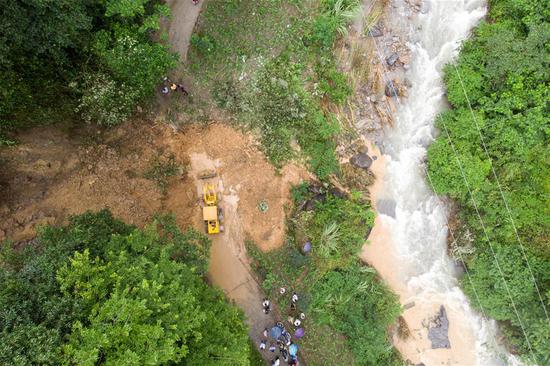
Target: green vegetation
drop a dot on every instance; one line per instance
(93, 57)
(270, 63)
(348, 309)
(162, 168)
(505, 71)
(101, 292)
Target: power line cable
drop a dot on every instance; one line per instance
(501, 192)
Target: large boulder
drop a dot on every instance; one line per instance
(392, 59)
(375, 31)
(386, 207)
(361, 160)
(438, 332)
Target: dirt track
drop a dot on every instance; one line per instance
(184, 17)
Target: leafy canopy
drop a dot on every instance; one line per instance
(101, 292)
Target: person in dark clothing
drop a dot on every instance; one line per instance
(182, 90)
(284, 354)
(266, 305)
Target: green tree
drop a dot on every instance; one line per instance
(100, 291)
(55, 55)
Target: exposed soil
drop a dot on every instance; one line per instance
(52, 174)
(247, 178)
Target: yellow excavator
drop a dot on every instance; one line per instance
(211, 213)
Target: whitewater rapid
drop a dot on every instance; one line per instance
(409, 247)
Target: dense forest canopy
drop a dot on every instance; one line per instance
(95, 58)
(503, 74)
(99, 291)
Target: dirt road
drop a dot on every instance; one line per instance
(180, 29)
(229, 267)
(244, 178)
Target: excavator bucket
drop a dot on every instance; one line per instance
(206, 174)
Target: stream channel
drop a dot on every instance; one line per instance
(408, 245)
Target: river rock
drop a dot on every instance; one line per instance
(392, 59)
(391, 89)
(438, 333)
(386, 207)
(361, 160)
(405, 59)
(375, 31)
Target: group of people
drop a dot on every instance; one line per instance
(170, 86)
(282, 338)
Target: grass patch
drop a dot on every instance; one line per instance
(348, 309)
(270, 64)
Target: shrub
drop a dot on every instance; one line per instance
(203, 44)
(104, 101)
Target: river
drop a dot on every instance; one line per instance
(409, 246)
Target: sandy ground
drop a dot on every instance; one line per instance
(379, 252)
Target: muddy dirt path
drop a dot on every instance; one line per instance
(244, 178)
(184, 16)
(229, 267)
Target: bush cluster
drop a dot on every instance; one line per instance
(95, 58)
(99, 291)
(346, 304)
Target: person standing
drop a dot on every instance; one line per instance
(284, 354)
(262, 345)
(266, 305)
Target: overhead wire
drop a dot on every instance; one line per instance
(501, 192)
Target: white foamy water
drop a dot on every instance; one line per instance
(419, 230)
